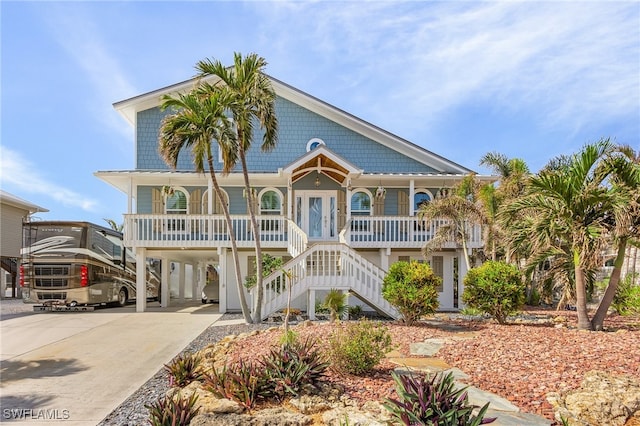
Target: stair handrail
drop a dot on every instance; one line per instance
(274, 285)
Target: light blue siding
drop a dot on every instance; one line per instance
(297, 126)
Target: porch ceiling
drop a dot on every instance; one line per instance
(322, 164)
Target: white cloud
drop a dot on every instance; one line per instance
(21, 174)
(566, 63)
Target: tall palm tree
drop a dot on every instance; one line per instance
(462, 211)
(513, 174)
(196, 122)
(253, 100)
(624, 223)
(564, 210)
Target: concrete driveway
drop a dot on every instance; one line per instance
(76, 367)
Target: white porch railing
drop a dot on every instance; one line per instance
(323, 267)
(298, 240)
(397, 232)
(176, 230)
(162, 230)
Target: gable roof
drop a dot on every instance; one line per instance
(128, 108)
(322, 160)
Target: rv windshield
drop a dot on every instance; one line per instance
(53, 240)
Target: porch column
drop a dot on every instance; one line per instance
(447, 281)
(222, 280)
(462, 272)
(348, 202)
(385, 253)
(311, 305)
(130, 196)
(141, 279)
(289, 199)
(3, 283)
(164, 281)
(199, 280)
(412, 189)
(181, 281)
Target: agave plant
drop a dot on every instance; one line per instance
(433, 400)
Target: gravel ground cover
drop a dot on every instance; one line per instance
(520, 362)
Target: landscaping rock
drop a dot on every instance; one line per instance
(602, 399)
(207, 401)
(267, 417)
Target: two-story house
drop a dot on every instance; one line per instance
(337, 198)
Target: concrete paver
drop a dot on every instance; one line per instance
(77, 367)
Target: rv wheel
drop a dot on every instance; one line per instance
(122, 297)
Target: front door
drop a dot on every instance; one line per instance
(316, 214)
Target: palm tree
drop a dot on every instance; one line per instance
(513, 174)
(114, 225)
(624, 167)
(252, 99)
(463, 212)
(564, 211)
(197, 121)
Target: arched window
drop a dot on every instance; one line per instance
(270, 205)
(421, 197)
(176, 202)
(360, 203)
(314, 143)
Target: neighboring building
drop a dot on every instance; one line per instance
(13, 211)
(338, 196)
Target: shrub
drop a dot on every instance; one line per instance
(355, 312)
(244, 382)
(174, 411)
(184, 369)
(335, 302)
(292, 366)
(411, 287)
(495, 288)
(358, 347)
(284, 371)
(627, 298)
(432, 400)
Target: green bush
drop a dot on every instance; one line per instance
(627, 298)
(411, 288)
(433, 400)
(174, 411)
(357, 347)
(495, 288)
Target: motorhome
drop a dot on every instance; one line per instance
(79, 263)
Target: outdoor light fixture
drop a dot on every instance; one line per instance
(317, 181)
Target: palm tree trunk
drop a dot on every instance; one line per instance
(467, 261)
(257, 303)
(598, 319)
(581, 295)
(234, 248)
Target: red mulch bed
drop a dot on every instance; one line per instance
(521, 363)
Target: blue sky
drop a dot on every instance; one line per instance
(531, 80)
